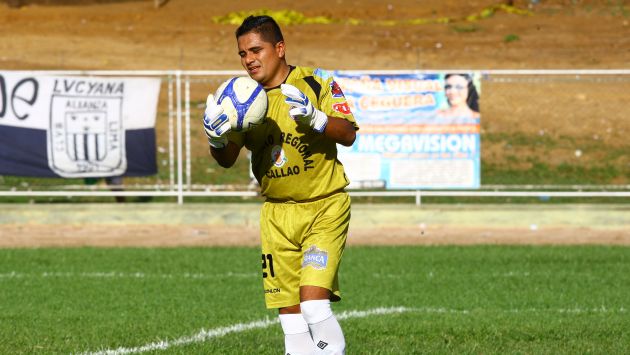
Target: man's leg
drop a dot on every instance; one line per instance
(323, 248)
(325, 329)
(297, 337)
(281, 264)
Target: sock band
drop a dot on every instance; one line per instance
(316, 311)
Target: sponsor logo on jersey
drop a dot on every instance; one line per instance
(316, 258)
(278, 158)
(335, 90)
(272, 290)
(342, 108)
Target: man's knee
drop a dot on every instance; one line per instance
(309, 293)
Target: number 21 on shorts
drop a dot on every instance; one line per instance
(267, 264)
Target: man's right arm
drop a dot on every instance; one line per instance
(226, 156)
(217, 126)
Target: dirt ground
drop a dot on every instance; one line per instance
(181, 34)
(194, 224)
(147, 235)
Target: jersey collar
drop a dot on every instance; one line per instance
(291, 67)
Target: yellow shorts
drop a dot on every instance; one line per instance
(302, 245)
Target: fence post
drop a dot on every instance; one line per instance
(187, 133)
(418, 198)
(171, 135)
(180, 183)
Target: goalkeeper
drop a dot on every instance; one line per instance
(305, 217)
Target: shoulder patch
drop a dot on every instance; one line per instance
(335, 90)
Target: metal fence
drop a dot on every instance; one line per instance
(529, 117)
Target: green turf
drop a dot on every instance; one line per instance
(480, 300)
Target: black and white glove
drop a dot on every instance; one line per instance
(302, 110)
(216, 124)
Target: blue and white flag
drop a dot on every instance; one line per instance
(75, 127)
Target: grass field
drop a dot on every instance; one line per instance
(396, 300)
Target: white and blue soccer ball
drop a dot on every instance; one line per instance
(244, 101)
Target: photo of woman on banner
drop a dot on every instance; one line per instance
(462, 97)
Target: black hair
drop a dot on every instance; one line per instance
(266, 26)
(473, 97)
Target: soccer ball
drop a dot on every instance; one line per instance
(244, 101)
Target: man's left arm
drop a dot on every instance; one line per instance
(302, 110)
(341, 131)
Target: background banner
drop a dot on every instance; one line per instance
(77, 126)
(416, 130)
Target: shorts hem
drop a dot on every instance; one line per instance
(278, 305)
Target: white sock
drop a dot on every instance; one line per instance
(297, 338)
(325, 328)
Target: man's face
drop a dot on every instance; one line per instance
(260, 58)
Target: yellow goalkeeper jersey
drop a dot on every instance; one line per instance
(291, 161)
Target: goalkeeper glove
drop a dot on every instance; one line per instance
(302, 109)
(216, 124)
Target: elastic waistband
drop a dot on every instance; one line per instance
(273, 200)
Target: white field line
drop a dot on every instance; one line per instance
(205, 335)
(431, 275)
(122, 275)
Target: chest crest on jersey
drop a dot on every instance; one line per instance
(278, 158)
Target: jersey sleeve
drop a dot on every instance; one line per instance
(237, 137)
(332, 100)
